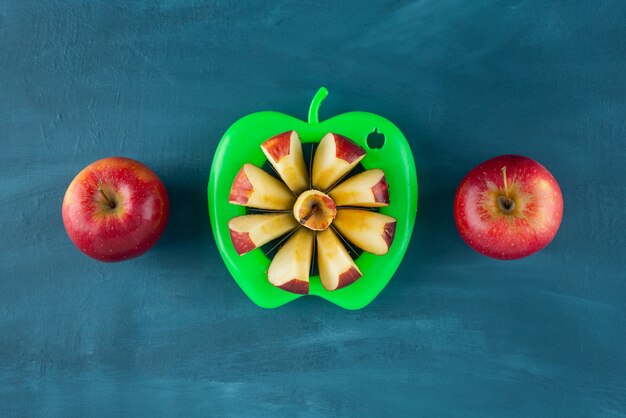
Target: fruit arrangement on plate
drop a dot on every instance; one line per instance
(312, 207)
(115, 209)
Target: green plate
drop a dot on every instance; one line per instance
(242, 144)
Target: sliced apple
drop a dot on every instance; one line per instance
(336, 267)
(368, 189)
(370, 231)
(255, 188)
(284, 152)
(252, 231)
(290, 267)
(315, 210)
(335, 156)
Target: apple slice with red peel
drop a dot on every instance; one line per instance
(367, 189)
(290, 267)
(252, 231)
(370, 231)
(336, 267)
(255, 188)
(334, 157)
(284, 152)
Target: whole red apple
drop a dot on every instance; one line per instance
(115, 209)
(508, 207)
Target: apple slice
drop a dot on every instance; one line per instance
(252, 231)
(336, 267)
(370, 231)
(368, 189)
(335, 156)
(255, 188)
(290, 267)
(284, 152)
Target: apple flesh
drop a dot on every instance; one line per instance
(252, 231)
(336, 267)
(284, 152)
(508, 207)
(290, 267)
(367, 189)
(115, 209)
(315, 210)
(334, 157)
(255, 188)
(370, 231)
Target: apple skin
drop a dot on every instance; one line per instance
(241, 189)
(278, 146)
(347, 150)
(122, 232)
(381, 192)
(525, 228)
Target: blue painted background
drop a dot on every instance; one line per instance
(454, 333)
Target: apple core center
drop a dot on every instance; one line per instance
(314, 210)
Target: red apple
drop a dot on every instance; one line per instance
(115, 209)
(508, 207)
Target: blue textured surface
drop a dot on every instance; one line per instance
(170, 333)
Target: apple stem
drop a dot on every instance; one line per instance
(109, 201)
(307, 217)
(315, 105)
(506, 186)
